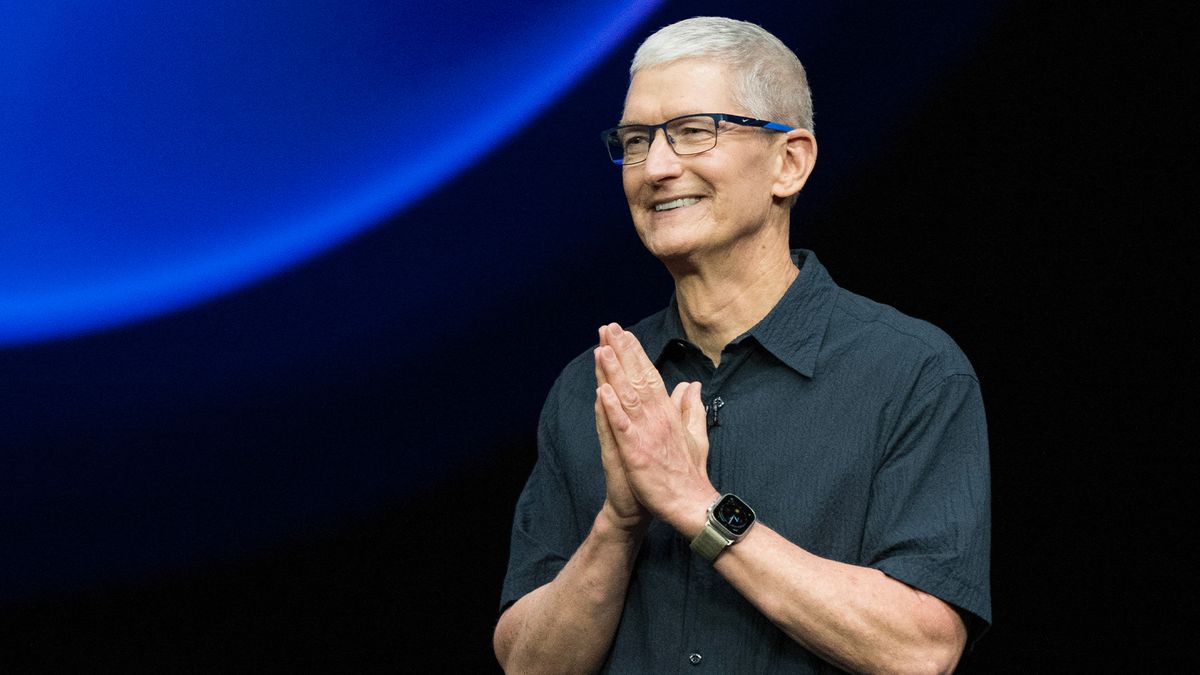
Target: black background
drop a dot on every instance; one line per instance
(1033, 206)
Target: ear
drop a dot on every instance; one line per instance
(798, 155)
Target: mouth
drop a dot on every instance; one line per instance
(676, 203)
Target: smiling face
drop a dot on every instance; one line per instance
(710, 204)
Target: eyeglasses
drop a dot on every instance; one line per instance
(687, 135)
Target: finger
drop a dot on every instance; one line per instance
(628, 341)
(696, 422)
(694, 415)
(637, 365)
(678, 395)
(603, 430)
(600, 378)
(618, 420)
(616, 379)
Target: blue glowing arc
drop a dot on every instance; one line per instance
(155, 155)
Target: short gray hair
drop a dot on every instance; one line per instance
(769, 78)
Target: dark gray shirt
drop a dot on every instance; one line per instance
(854, 431)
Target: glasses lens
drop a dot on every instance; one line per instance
(613, 145)
(630, 143)
(691, 135)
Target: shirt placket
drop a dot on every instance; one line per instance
(697, 646)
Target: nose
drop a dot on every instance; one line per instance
(661, 161)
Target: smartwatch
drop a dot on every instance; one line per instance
(729, 519)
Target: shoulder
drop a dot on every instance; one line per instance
(882, 334)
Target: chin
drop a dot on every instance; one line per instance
(672, 249)
(660, 243)
(671, 239)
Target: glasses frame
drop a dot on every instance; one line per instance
(608, 135)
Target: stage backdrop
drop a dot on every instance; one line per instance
(283, 285)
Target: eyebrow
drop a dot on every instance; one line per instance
(623, 121)
(629, 123)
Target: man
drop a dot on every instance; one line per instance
(854, 433)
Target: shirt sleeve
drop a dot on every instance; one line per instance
(929, 521)
(543, 536)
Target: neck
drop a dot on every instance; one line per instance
(722, 299)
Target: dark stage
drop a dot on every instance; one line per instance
(316, 472)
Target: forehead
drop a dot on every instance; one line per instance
(678, 88)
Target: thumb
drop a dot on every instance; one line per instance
(696, 421)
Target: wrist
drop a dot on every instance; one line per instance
(728, 520)
(612, 525)
(691, 515)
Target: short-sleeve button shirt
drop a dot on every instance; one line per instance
(853, 430)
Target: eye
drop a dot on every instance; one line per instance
(693, 131)
(634, 139)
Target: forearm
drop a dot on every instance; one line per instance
(568, 624)
(855, 617)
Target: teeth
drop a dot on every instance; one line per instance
(684, 201)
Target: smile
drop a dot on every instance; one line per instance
(682, 201)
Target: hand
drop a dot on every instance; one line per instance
(662, 441)
(620, 503)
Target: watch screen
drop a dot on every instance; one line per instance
(734, 514)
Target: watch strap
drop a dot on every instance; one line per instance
(710, 542)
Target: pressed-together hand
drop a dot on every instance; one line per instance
(626, 511)
(654, 446)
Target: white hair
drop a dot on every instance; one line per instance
(769, 79)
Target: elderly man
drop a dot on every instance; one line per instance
(772, 474)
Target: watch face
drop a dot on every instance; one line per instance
(734, 514)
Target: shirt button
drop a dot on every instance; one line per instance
(694, 658)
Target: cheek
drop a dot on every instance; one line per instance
(630, 184)
(755, 183)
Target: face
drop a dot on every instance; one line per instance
(711, 203)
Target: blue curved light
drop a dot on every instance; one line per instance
(155, 155)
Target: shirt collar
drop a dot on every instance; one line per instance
(795, 328)
(792, 331)
(660, 330)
